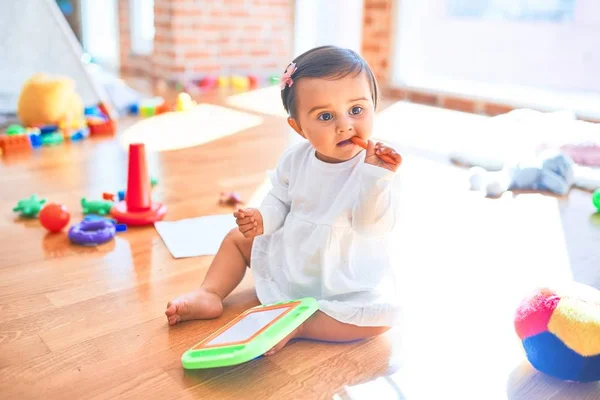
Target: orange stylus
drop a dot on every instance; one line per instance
(363, 143)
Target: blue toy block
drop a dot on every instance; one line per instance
(48, 129)
(134, 109)
(36, 140)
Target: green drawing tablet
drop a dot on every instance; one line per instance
(249, 335)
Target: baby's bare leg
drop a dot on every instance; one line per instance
(321, 326)
(224, 274)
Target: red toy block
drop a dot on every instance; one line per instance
(14, 143)
(103, 128)
(162, 108)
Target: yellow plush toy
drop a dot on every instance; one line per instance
(49, 100)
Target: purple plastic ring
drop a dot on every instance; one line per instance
(92, 232)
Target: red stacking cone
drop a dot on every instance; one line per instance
(138, 208)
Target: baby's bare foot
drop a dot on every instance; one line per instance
(295, 334)
(200, 304)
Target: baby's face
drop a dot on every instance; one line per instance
(330, 112)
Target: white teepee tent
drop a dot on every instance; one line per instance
(35, 37)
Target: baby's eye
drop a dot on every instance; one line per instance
(356, 110)
(326, 117)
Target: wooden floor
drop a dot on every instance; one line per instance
(78, 323)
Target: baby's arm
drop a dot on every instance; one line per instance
(375, 209)
(320, 326)
(273, 210)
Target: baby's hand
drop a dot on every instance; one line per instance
(383, 156)
(249, 221)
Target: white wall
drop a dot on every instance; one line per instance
(562, 56)
(323, 22)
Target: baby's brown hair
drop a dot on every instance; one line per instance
(329, 62)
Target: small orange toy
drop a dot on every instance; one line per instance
(54, 217)
(108, 196)
(362, 143)
(11, 144)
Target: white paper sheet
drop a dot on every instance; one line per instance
(194, 237)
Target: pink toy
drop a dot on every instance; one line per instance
(230, 199)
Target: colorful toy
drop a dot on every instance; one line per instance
(15, 130)
(52, 139)
(54, 217)
(35, 137)
(47, 129)
(75, 130)
(30, 207)
(596, 199)
(95, 119)
(252, 81)
(17, 143)
(162, 108)
(147, 107)
(108, 196)
(110, 112)
(184, 102)
(108, 127)
(134, 109)
(230, 199)
(92, 110)
(92, 232)
(79, 134)
(121, 193)
(560, 331)
(138, 207)
(362, 143)
(101, 207)
(249, 335)
(94, 217)
(240, 82)
(46, 100)
(223, 81)
(207, 82)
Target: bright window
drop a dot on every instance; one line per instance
(141, 18)
(540, 10)
(530, 53)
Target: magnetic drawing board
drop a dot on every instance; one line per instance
(249, 335)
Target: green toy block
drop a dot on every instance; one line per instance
(15, 130)
(52, 139)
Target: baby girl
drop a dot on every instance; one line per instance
(322, 229)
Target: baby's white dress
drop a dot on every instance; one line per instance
(325, 236)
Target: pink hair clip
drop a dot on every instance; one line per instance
(286, 78)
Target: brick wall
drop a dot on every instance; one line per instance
(377, 33)
(198, 37)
